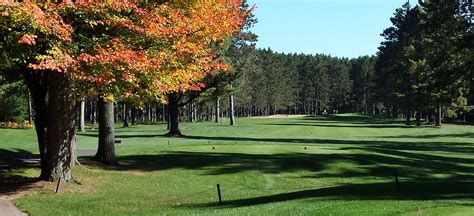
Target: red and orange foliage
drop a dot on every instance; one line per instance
(148, 50)
(38, 30)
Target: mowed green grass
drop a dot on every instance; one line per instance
(335, 166)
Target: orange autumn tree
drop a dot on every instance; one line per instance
(34, 38)
(150, 50)
(114, 49)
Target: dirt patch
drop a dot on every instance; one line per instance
(139, 173)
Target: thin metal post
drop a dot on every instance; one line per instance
(57, 186)
(219, 194)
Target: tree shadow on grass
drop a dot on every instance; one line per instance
(433, 136)
(11, 179)
(422, 176)
(363, 121)
(341, 125)
(124, 136)
(430, 170)
(374, 162)
(411, 190)
(17, 158)
(460, 147)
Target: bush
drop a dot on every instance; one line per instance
(14, 125)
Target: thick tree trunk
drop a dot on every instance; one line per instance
(439, 116)
(61, 129)
(173, 110)
(41, 123)
(82, 127)
(38, 87)
(106, 149)
(217, 109)
(232, 112)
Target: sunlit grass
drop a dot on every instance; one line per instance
(336, 166)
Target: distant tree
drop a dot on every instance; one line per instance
(363, 76)
(341, 85)
(444, 32)
(13, 101)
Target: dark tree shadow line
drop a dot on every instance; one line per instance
(413, 190)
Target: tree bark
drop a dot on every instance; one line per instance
(134, 116)
(93, 112)
(37, 83)
(408, 116)
(217, 109)
(82, 127)
(164, 114)
(418, 118)
(30, 110)
(232, 112)
(60, 129)
(125, 116)
(106, 148)
(439, 116)
(173, 110)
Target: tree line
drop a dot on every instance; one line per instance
(425, 64)
(278, 83)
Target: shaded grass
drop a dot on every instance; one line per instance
(341, 166)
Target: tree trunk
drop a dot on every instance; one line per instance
(232, 112)
(365, 104)
(408, 116)
(173, 110)
(60, 129)
(149, 114)
(93, 112)
(439, 116)
(217, 109)
(106, 149)
(37, 83)
(418, 118)
(82, 127)
(134, 116)
(30, 110)
(163, 117)
(211, 113)
(125, 116)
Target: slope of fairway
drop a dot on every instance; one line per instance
(343, 165)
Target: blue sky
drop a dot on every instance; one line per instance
(344, 28)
